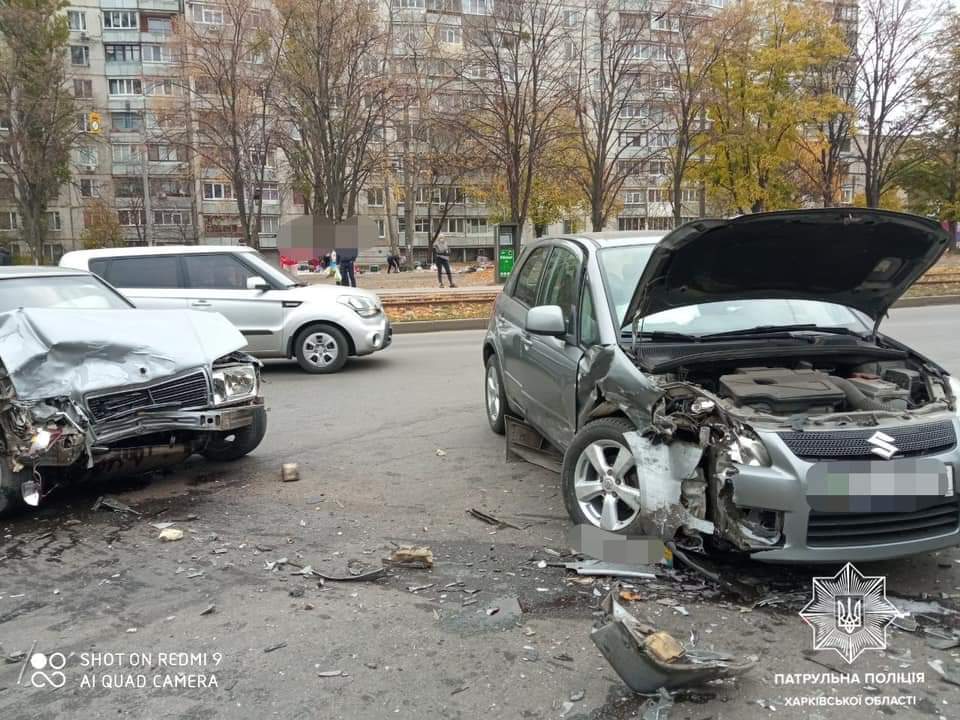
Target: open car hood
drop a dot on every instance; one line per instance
(862, 258)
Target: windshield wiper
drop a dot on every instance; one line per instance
(775, 329)
(662, 335)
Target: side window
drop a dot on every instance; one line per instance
(159, 271)
(98, 267)
(589, 330)
(561, 285)
(525, 289)
(216, 272)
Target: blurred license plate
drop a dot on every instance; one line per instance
(904, 485)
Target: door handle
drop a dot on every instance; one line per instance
(200, 304)
(526, 341)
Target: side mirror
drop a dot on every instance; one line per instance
(257, 283)
(546, 320)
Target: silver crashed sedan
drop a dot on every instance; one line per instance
(727, 385)
(92, 388)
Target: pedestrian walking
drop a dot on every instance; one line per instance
(393, 264)
(345, 259)
(441, 255)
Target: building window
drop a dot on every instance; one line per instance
(571, 18)
(159, 24)
(660, 223)
(132, 218)
(269, 193)
(633, 197)
(8, 220)
(169, 188)
(474, 7)
(126, 122)
(208, 14)
(86, 157)
(269, 224)
(76, 20)
(689, 195)
(262, 159)
(476, 226)
(53, 221)
(119, 20)
(658, 195)
(125, 152)
(846, 195)
(83, 88)
(164, 153)
(421, 225)
(375, 197)
(381, 228)
(455, 226)
(222, 225)
(171, 217)
(665, 23)
(450, 34)
(631, 224)
(125, 86)
(83, 122)
(128, 188)
(217, 191)
(89, 188)
(409, 3)
(121, 53)
(79, 55)
(164, 88)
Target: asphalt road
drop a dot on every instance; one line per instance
(366, 441)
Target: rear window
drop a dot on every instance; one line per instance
(159, 271)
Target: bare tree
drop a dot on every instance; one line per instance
(232, 58)
(37, 113)
(895, 39)
(613, 73)
(332, 93)
(516, 71)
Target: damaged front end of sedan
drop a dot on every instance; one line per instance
(105, 393)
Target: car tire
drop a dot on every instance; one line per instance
(321, 348)
(586, 490)
(494, 399)
(235, 444)
(10, 498)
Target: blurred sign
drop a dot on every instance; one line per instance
(94, 123)
(505, 253)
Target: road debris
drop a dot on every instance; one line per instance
(417, 588)
(409, 556)
(491, 520)
(113, 504)
(578, 695)
(297, 592)
(441, 453)
(949, 674)
(460, 690)
(209, 609)
(278, 646)
(194, 574)
(161, 525)
(599, 568)
(374, 574)
(647, 659)
(171, 535)
(331, 673)
(289, 472)
(274, 564)
(658, 708)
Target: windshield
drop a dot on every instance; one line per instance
(76, 292)
(268, 271)
(622, 267)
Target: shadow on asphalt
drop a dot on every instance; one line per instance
(280, 368)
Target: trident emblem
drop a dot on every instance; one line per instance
(849, 613)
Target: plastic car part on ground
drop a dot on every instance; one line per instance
(648, 660)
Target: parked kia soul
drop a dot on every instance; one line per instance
(319, 325)
(727, 385)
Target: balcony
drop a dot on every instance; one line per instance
(122, 69)
(127, 168)
(166, 6)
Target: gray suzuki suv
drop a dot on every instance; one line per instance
(727, 384)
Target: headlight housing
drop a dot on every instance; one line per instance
(746, 448)
(234, 383)
(361, 305)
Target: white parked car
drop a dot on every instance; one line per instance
(319, 325)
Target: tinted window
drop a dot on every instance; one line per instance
(589, 331)
(216, 272)
(159, 271)
(98, 267)
(525, 289)
(561, 284)
(78, 292)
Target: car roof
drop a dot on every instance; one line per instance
(615, 239)
(18, 271)
(140, 250)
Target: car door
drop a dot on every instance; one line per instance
(151, 282)
(217, 282)
(551, 364)
(518, 296)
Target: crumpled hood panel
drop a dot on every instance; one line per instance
(51, 352)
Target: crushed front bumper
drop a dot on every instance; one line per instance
(214, 419)
(812, 537)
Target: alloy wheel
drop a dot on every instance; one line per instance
(606, 485)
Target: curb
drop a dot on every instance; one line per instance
(421, 326)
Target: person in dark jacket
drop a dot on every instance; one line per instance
(441, 255)
(345, 260)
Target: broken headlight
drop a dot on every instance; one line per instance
(745, 448)
(360, 304)
(234, 383)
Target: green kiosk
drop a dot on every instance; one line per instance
(506, 251)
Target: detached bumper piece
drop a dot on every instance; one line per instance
(647, 660)
(207, 420)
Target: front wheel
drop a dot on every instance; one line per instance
(494, 399)
(234, 444)
(321, 348)
(600, 479)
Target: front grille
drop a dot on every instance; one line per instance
(858, 529)
(923, 439)
(187, 391)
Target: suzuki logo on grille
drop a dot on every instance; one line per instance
(883, 445)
